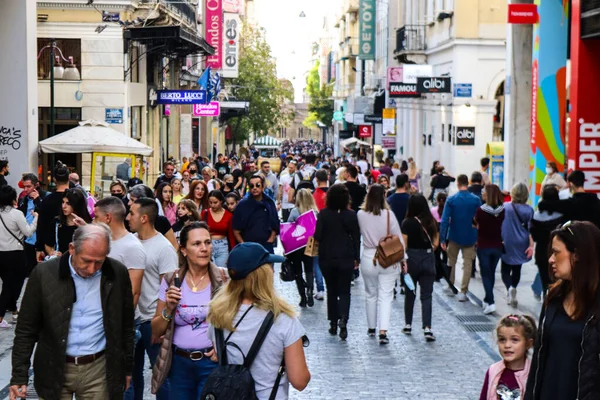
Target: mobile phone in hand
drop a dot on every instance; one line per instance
(177, 281)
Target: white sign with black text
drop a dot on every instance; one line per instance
(231, 45)
(465, 136)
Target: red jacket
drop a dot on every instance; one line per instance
(320, 196)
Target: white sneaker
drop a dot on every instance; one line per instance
(508, 297)
(513, 297)
(489, 309)
(449, 292)
(484, 305)
(319, 295)
(15, 317)
(4, 324)
(461, 297)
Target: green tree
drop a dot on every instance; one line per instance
(258, 84)
(320, 107)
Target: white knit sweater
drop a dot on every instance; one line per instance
(16, 223)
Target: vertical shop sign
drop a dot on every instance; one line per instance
(367, 30)
(214, 32)
(231, 45)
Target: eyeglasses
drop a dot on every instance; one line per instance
(567, 226)
(252, 186)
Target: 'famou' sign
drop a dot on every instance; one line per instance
(367, 30)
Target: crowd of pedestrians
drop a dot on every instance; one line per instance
(181, 273)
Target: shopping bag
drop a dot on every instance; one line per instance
(312, 247)
(294, 235)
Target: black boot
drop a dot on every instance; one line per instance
(333, 327)
(310, 298)
(301, 291)
(343, 329)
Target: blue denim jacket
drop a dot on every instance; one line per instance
(457, 219)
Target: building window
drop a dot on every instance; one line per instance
(136, 122)
(134, 64)
(68, 47)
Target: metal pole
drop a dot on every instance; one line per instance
(52, 113)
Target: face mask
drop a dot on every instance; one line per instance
(118, 195)
(230, 185)
(7, 173)
(549, 170)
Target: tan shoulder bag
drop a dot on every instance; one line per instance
(390, 250)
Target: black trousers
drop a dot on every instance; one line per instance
(338, 279)
(298, 259)
(13, 271)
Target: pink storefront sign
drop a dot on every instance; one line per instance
(213, 109)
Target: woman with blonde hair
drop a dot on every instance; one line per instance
(413, 175)
(177, 187)
(518, 243)
(237, 313)
(304, 202)
(376, 221)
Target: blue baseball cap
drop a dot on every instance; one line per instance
(246, 257)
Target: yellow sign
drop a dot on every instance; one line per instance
(389, 113)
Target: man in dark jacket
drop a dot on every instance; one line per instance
(582, 206)
(3, 172)
(357, 192)
(34, 195)
(79, 310)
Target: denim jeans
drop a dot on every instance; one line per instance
(144, 346)
(318, 275)
(488, 261)
(536, 286)
(187, 377)
(220, 252)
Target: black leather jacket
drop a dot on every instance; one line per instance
(588, 385)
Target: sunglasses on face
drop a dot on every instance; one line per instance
(257, 185)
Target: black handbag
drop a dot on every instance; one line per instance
(287, 271)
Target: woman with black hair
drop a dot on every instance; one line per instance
(565, 358)
(74, 214)
(13, 268)
(219, 220)
(420, 233)
(338, 235)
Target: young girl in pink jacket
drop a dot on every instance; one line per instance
(507, 379)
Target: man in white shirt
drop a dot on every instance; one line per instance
(285, 181)
(124, 246)
(161, 258)
(363, 164)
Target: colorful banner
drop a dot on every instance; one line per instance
(366, 30)
(213, 109)
(549, 95)
(213, 14)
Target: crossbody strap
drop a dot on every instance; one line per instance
(518, 215)
(425, 230)
(389, 231)
(12, 234)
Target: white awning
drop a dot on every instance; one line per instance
(266, 141)
(351, 142)
(94, 137)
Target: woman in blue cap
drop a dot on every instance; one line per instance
(242, 306)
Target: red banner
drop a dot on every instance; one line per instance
(584, 128)
(365, 130)
(523, 14)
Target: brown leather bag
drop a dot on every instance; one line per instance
(390, 250)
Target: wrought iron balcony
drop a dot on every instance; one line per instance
(410, 39)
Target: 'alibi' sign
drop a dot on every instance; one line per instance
(367, 30)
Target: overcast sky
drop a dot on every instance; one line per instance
(291, 37)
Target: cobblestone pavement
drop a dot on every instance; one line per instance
(453, 367)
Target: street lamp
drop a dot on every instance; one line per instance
(57, 72)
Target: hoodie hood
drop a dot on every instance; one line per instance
(493, 211)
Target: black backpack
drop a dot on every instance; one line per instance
(234, 381)
(306, 181)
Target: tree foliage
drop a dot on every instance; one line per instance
(258, 84)
(320, 107)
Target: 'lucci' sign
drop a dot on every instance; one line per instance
(181, 97)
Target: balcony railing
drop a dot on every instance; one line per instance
(183, 8)
(410, 38)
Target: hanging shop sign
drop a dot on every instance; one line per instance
(181, 96)
(395, 74)
(338, 116)
(358, 119)
(389, 113)
(365, 131)
(231, 45)
(213, 32)
(167, 110)
(465, 136)
(410, 72)
(523, 14)
(213, 109)
(366, 20)
(113, 115)
(373, 119)
(388, 142)
(406, 90)
(434, 85)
